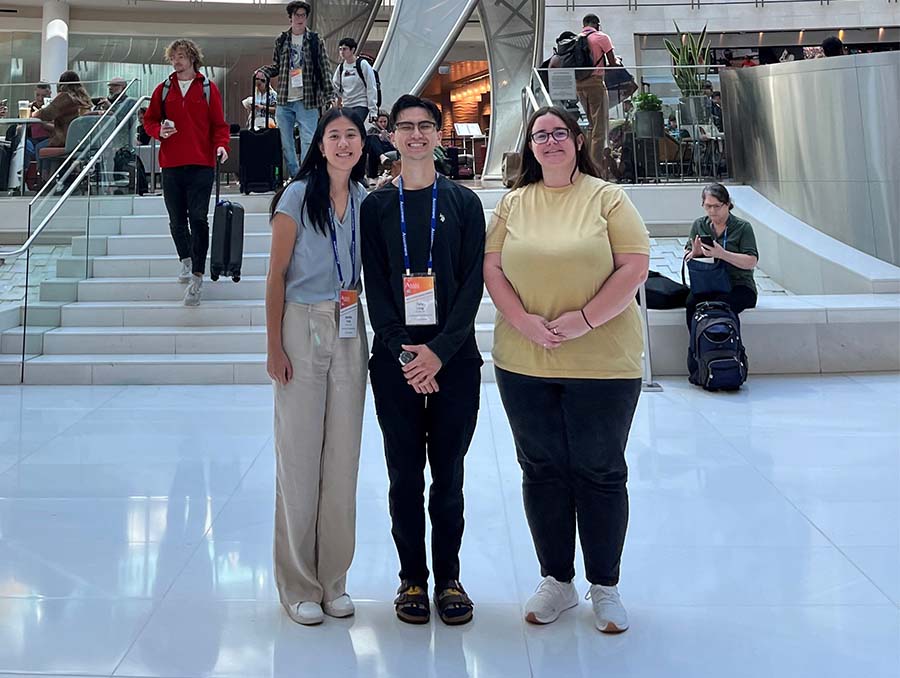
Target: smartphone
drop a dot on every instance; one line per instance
(706, 240)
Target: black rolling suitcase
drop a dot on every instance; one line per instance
(260, 162)
(227, 248)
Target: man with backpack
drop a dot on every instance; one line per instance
(186, 115)
(356, 83)
(301, 66)
(587, 52)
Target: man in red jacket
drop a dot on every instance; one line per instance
(185, 114)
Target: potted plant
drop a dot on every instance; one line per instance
(648, 116)
(690, 53)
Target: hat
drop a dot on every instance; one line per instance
(119, 81)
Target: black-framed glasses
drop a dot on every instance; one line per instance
(558, 134)
(424, 126)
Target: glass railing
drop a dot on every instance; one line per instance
(67, 225)
(662, 124)
(25, 135)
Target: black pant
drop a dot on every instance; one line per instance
(438, 427)
(570, 437)
(186, 190)
(740, 299)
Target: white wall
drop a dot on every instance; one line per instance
(622, 24)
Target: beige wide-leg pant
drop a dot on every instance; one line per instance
(318, 429)
(595, 101)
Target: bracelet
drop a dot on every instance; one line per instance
(586, 320)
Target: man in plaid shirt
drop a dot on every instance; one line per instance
(304, 85)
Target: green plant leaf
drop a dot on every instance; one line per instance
(672, 50)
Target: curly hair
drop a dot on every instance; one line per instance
(190, 49)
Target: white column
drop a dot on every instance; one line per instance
(54, 40)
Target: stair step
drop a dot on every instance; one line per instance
(11, 339)
(210, 313)
(119, 245)
(162, 339)
(219, 368)
(154, 204)
(161, 265)
(163, 289)
(159, 224)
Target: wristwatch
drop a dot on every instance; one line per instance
(407, 357)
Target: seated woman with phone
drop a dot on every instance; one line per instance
(724, 237)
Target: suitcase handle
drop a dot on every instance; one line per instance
(253, 99)
(218, 174)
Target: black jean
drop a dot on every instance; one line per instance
(570, 437)
(186, 191)
(439, 428)
(740, 299)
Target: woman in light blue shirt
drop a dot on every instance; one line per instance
(317, 357)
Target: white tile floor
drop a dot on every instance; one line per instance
(135, 540)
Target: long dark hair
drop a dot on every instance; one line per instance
(532, 172)
(314, 171)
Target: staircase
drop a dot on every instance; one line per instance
(125, 323)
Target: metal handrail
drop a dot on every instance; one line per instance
(81, 142)
(546, 94)
(84, 172)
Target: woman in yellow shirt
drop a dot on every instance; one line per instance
(565, 255)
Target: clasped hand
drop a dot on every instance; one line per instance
(552, 333)
(420, 372)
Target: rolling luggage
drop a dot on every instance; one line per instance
(259, 168)
(227, 249)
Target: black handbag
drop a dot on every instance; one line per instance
(663, 292)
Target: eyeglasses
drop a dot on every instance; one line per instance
(425, 126)
(558, 134)
(713, 206)
(299, 14)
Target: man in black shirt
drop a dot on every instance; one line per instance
(422, 252)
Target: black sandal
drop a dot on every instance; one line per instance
(411, 604)
(454, 606)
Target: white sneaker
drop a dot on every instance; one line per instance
(194, 291)
(307, 613)
(186, 272)
(609, 613)
(341, 606)
(550, 599)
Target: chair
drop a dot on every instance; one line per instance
(78, 130)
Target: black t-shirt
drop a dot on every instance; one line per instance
(458, 256)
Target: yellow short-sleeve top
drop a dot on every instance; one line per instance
(556, 248)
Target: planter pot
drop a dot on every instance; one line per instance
(648, 124)
(694, 110)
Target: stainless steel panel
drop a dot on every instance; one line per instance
(821, 138)
(885, 199)
(338, 19)
(418, 38)
(509, 33)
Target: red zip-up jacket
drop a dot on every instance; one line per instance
(201, 127)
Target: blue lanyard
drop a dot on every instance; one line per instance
(434, 193)
(334, 247)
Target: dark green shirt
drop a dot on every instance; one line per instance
(738, 237)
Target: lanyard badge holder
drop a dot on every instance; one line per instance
(348, 326)
(296, 71)
(418, 289)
